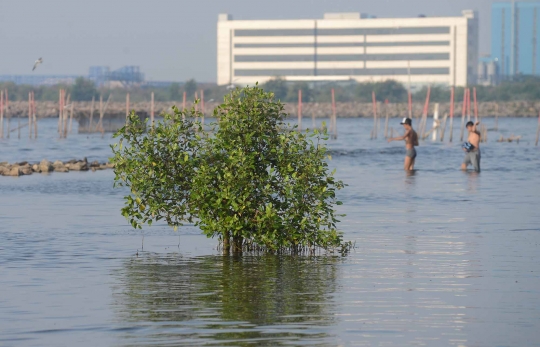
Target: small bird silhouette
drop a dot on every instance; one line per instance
(37, 62)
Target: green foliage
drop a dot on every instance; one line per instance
(174, 92)
(83, 90)
(522, 88)
(190, 88)
(254, 179)
(307, 92)
(391, 90)
(266, 289)
(277, 86)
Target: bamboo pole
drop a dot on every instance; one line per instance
(374, 104)
(30, 115)
(475, 106)
(184, 105)
(71, 118)
(463, 112)
(100, 112)
(386, 120)
(334, 116)
(196, 107)
(452, 97)
(468, 105)
(537, 130)
(184, 102)
(299, 109)
(152, 109)
(34, 115)
(127, 106)
(1, 114)
(102, 115)
(90, 126)
(18, 125)
(423, 122)
(202, 106)
(59, 111)
(436, 124)
(65, 115)
(6, 105)
(443, 126)
(409, 98)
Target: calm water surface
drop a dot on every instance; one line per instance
(442, 258)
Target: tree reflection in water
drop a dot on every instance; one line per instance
(237, 300)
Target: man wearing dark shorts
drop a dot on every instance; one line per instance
(472, 148)
(411, 140)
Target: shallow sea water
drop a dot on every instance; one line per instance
(442, 257)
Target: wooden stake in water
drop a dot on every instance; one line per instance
(59, 112)
(6, 105)
(463, 111)
(1, 114)
(100, 112)
(152, 109)
(202, 106)
(374, 104)
(184, 102)
(475, 106)
(334, 115)
(65, 115)
(537, 130)
(423, 122)
(443, 126)
(299, 109)
(452, 95)
(71, 118)
(90, 127)
(127, 106)
(436, 123)
(29, 115)
(468, 105)
(386, 120)
(34, 115)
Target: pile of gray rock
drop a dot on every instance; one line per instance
(45, 166)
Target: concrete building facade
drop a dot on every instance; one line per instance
(349, 46)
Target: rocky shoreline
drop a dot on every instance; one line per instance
(45, 166)
(46, 109)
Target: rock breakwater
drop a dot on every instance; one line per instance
(46, 166)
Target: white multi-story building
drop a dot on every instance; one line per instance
(349, 46)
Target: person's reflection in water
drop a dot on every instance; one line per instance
(267, 299)
(410, 179)
(472, 181)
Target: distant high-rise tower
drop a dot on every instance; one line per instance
(515, 37)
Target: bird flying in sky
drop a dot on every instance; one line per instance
(37, 62)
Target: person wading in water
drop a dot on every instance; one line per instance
(472, 148)
(411, 140)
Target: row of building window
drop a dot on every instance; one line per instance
(341, 57)
(346, 31)
(342, 44)
(342, 72)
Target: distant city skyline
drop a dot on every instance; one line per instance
(169, 40)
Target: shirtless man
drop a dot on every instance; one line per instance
(411, 140)
(472, 148)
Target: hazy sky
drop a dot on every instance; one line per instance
(168, 39)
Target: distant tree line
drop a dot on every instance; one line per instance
(523, 88)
